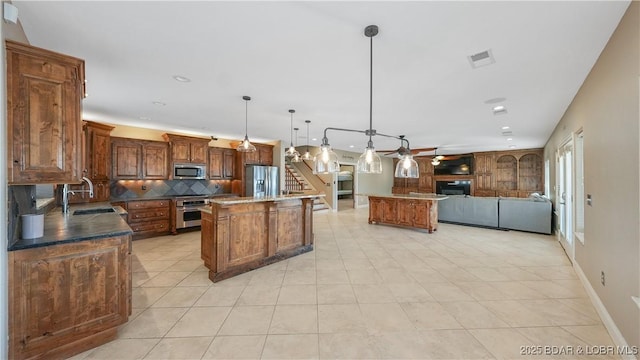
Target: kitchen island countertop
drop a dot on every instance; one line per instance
(248, 200)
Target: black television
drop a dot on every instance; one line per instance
(455, 165)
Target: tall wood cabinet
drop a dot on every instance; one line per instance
(134, 159)
(44, 99)
(484, 164)
(68, 298)
(97, 163)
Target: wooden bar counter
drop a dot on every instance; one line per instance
(242, 234)
(414, 210)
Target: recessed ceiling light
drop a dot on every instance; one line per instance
(352, 146)
(495, 100)
(314, 139)
(505, 128)
(159, 103)
(512, 146)
(509, 139)
(499, 108)
(144, 118)
(181, 78)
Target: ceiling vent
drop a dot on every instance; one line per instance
(481, 59)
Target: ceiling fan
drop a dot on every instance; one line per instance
(402, 150)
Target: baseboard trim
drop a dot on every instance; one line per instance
(608, 322)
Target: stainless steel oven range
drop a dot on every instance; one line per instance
(188, 210)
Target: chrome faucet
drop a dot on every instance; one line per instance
(66, 192)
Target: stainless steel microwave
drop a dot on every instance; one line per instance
(189, 171)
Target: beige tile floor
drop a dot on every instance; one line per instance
(365, 292)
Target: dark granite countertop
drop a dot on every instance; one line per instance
(62, 228)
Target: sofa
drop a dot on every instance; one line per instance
(531, 214)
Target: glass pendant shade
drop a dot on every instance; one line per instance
(307, 155)
(370, 162)
(296, 157)
(435, 162)
(246, 145)
(291, 151)
(407, 168)
(326, 161)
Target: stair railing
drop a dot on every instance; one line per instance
(291, 183)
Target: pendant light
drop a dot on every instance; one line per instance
(291, 151)
(370, 162)
(326, 161)
(296, 157)
(307, 154)
(406, 167)
(246, 145)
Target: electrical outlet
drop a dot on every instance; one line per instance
(602, 277)
(589, 201)
(144, 187)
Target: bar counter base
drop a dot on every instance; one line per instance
(244, 234)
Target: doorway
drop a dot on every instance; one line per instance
(345, 187)
(564, 196)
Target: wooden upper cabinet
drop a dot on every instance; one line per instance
(187, 149)
(44, 100)
(265, 154)
(221, 163)
(155, 160)
(126, 159)
(98, 150)
(139, 159)
(262, 156)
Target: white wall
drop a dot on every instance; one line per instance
(607, 108)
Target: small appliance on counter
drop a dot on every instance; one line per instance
(261, 181)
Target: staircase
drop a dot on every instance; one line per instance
(294, 182)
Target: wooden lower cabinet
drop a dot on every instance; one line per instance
(405, 211)
(148, 218)
(68, 298)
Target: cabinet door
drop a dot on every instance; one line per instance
(229, 162)
(376, 210)
(44, 97)
(67, 293)
(265, 155)
(155, 161)
(405, 212)
(484, 181)
(389, 211)
(216, 163)
(126, 158)
(422, 214)
(98, 145)
(199, 152)
(180, 152)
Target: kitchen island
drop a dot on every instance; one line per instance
(413, 210)
(245, 233)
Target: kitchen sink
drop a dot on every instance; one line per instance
(94, 211)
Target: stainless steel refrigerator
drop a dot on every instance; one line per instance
(261, 181)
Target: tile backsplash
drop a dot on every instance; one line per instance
(130, 189)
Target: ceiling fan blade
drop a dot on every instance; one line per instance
(421, 150)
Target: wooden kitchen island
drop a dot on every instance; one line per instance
(414, 210)
(245, 233)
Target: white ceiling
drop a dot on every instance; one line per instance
(313, 57)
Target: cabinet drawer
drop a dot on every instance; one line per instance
(148, 204)
(151, 226)
(148, 214)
